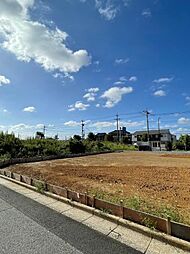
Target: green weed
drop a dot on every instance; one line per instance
(40, 187)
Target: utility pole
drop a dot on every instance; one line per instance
(147, 113)
(82, 130)
(117, 123)
(120, 134)
(159, 132)
(44, 130)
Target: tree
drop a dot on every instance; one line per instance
(183, 143)
(126, 140)
(77, 137)
(169, 146)
(9, 144)
(144, 137)
(76, 146)
(91, 136)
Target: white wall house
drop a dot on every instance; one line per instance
(158, 139)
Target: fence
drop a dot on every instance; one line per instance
(179, 230)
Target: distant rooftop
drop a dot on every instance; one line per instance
(162, 131)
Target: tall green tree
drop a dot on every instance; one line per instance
(184, 142)
(91, 136)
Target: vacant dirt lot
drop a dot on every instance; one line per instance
(161, 178)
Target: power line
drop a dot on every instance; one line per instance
(171, 113)
(167, 117)
(132, 115)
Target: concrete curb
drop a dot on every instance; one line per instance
(176, 242)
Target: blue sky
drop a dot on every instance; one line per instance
(64, 61)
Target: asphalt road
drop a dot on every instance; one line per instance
(29, 227)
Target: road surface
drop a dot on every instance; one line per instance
(26, 226)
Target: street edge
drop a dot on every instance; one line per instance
(176, 242)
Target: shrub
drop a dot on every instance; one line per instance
(76, 146)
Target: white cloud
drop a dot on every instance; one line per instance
(107, 9)
(97, 105)
(89, 96)
(22, 126)
(107, 124)
(69, 76)
(62, 76)
(160, 93)
(5, 110)
(121, 81)
(100, 125)
(58, 75)
(187, 98)
(40, 126)
(31, 40)
(72, 123)
(93, 90)
(25, 130)
(133, 78)
(78, 106)
(30, 109)
(92, 93)
(75, 123)
(114, 95)
(170, 126)
(147, 13)
(182, 130)
(123, 78)
(131, 124)
(122, 60)
(71, 108)
(183, 121)
(163, 80)
(4, 80)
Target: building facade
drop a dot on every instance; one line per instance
(121, 134)
(158, 139)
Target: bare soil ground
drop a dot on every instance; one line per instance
(157, 177)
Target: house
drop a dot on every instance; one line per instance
(40, 135)
(120, 134)
(158, 139)
(100, 136)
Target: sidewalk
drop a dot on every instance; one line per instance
(131, 238)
